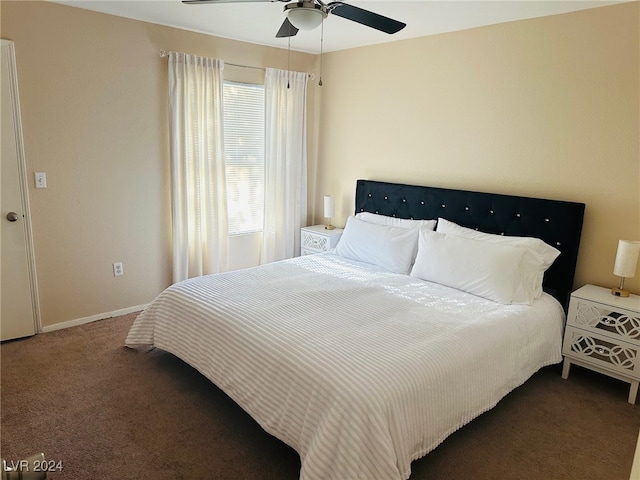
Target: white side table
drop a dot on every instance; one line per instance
(603, 334)
(317, 239)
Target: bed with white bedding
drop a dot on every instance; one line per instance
(361, 367)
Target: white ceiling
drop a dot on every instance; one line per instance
(258, 22)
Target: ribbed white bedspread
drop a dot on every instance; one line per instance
(359, 370)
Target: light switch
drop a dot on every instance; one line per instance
(41, 180)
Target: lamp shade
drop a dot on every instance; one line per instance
(329, 206)
(305, 17)
(626, 258)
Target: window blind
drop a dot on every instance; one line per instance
(244, 156)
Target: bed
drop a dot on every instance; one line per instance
(359, 367)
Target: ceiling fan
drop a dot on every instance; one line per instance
(309, 14)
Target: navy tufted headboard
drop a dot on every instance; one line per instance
(558, 223)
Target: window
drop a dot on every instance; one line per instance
(244, 156)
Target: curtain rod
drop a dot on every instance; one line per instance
(164, 53)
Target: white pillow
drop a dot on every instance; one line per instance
(490, 270)
(392, 248)
(395, 222)
(543, 251)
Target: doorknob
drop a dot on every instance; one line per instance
(12, 216)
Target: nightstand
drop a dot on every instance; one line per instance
(603, 334)
(317, 239)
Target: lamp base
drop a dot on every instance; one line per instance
(619, 292)
(329, 227)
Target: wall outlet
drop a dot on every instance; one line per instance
(117, 269)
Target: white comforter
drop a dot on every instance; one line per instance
(359, 370)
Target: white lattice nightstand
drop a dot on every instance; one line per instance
(317, 239)
(603, 334)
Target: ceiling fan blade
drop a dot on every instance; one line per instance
(195, 2)
(286, 30)
(365, 17)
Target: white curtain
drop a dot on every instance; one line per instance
(198, 189)
(285, 208)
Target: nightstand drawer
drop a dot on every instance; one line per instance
(314, 241)
(599, 319)
(603, 351)
(317, 239)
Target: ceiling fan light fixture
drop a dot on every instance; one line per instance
(305, 15)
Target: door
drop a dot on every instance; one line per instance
(18, 296)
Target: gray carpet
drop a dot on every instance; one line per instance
(108, 412)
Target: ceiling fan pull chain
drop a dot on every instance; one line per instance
(321, 44)
(289, 63)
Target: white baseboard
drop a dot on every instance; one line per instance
(92, 318)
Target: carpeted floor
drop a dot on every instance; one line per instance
(107, 412)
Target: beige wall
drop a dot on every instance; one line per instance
(545, 107)
(93, 94)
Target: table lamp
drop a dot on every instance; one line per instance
(625, 266)
(329, 210)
